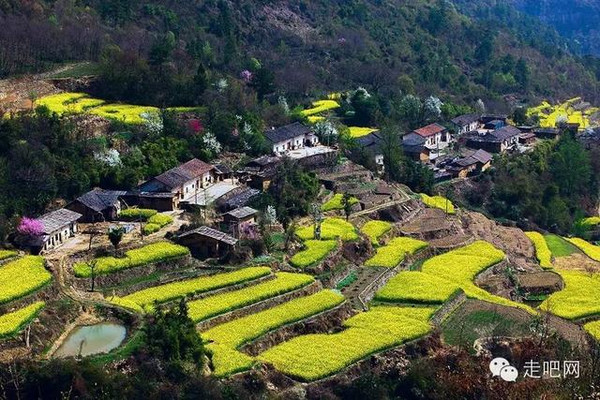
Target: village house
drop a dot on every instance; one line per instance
(473, 164)
(205, 242)
(291, 137)
(547, 133)
(59, 226)
(159, 201)
(371, 145)
(494, 124)
(527, 139)
(259, 172)
(415, 148)
(235, 219)
(436, 136)
(466, 123)
(186, 180)
(98, 205)
(497, 141)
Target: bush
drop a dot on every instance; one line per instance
(135, 214)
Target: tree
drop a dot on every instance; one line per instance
(522, 73)
(347, 203)
(115, 235)
(30, 227)
(520, 116)
(263, 82)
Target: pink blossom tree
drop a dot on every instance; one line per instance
(30, 227)
(246, 76)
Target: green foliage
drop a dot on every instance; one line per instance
(156, 222)
(559, 247)
(137, 214)
(115, 235)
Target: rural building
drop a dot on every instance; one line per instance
(494, 125)
(98, 205)
(222, 172)
(496, 141)
(186, 180)
(487, 118)
(159, 201)
(466, 123)
(291, 137)
(59, 226)
(239, 198)
(547, 133)
(236, 218)
(527, 138)
(205, 242)
(371, 145)
(435, 135)
(259, 172)
(473, 164)
(415, 148)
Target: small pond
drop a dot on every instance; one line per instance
(93, 339)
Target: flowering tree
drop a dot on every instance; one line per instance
(110, 157)
(30, 227)
(212, 144)
(283, 103)
(195, 126)
(326, 132)
(246, 76)
(153, 122)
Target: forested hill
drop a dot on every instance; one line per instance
(163, 49)
(576, 20)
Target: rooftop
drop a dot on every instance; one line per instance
(287, 132)
(178, 176)
(466, 119)
(430, 130)
(100, 199)
(242, 212)
(213, 234)
(55, 220)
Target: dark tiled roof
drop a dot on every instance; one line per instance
(479, 156)
(506, 132)
(241, 199)
(242, 212)
(223, 169)
(58, 219)
(264, 161)
(412, 139)
(429, 130)
(178, 176)
(465, 119)
(287, 132)
(213, 234)
(100, 199)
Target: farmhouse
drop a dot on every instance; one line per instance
(371, 145)
(436, 136)
(159, 201)
(98, 205)
(415, 148)
(547, 133)
(185, 180)
(205, 242)
(259, 172)
(291, 137)
(59, 226)
(496, 141)
(240, 216)
(473, 164)
(466, 123)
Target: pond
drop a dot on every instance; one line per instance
(94, 339)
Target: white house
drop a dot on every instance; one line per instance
(466, 123)
(291, 137)
(435, 135)
(59, 226)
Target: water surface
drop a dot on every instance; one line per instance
(93, 339)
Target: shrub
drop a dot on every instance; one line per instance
(335, 203)
(228, 337)
(12, 323)
(375, 230)
(317, 356)
(21, 277)
(136, 214)
(331, 229)
(221, 303)
(394, 252)
(438, 202)
(542, 252)
(189, 287)
(152, 253)
(316, 250)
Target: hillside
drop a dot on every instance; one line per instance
(389, 47)
(576, 20)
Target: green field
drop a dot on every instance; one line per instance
(559, 246)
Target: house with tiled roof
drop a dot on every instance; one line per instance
(58, 226)
(291, 137)
(497, 141)
(98, 205)
(436, 136)
(473, 163)
(185, 180)
(466, 123)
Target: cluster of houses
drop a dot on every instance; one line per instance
(463, 150)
